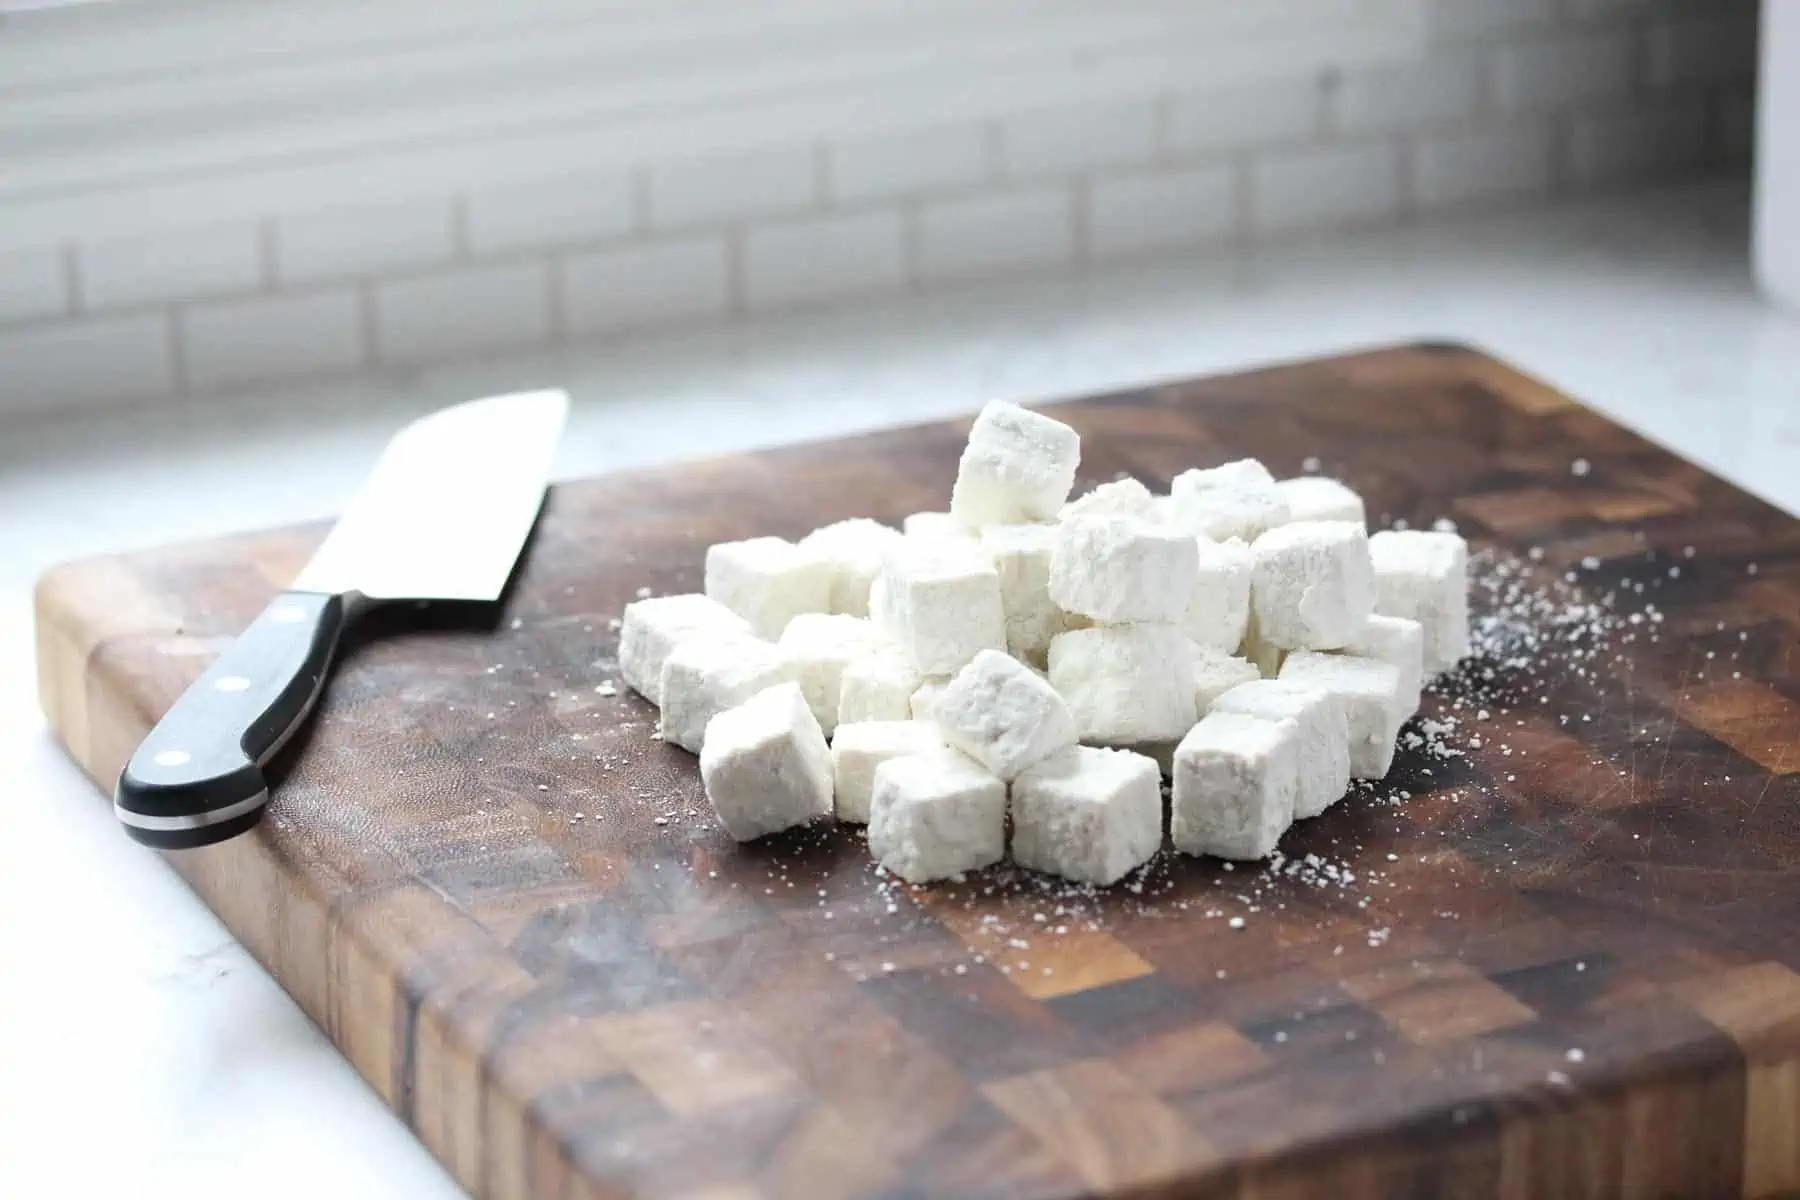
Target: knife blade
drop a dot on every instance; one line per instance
(443, 516)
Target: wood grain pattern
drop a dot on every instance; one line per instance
(503, 900)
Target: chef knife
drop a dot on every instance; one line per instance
(442, 517)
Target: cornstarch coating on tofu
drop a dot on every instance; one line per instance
(1032, 666)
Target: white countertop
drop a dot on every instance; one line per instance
(141, 1049)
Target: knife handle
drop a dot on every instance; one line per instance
(197, 778)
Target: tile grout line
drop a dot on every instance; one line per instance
(460, 242)
(823, 196)
(641, 223)
(1327, 120)
(1162, 134)
(367, 325)
(178, 364)
(912, 243)
(993, 151)
(1081, 220)
(1406, 177)
(735, 298)
(1243, 231)
(266, 254)
(554, 300)
(74, 299)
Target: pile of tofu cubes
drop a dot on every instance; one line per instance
(1025, 667)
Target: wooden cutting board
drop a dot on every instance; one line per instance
(1565, 964)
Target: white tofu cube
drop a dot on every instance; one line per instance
(1397, 641)
(1370, 693)
(651, 629)
(924, 704)
(1002, 714)
(1313, 585)
(924, 701)
(1018, 466)
(822, 646)
(1424, 577)
(1218, 615)
(1235, 780)
(851, 551)
(1237, 500)
(860, 748)
(1324, 732)
(878, 687)
(1087, 814)
(942, 603)
(1126, 684)
(766, 766)
(1120, 498)
(882, 606)
(1316, 498)
(1121, 570)
(935, 525)
(1215, 673)
(933, 816)
(1021, 554)
(706, 676)
(767, 581)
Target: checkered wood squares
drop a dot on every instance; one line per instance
(503, 900)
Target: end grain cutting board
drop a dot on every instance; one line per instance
(1568, 964)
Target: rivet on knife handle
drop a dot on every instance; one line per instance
(197, 779)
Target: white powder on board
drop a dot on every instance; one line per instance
(1546, 629)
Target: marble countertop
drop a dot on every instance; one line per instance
(144, 1050)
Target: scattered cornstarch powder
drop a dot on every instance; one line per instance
(1549, 632)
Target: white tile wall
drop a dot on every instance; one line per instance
(947, 158)
(1587, 8)
(826, 259)
(1632, 146)
(1498, 164)
(32, 284)
(1065, 141)
(709, 191)
(1559, 71)
(364, 240)
(1442, 90)
(1324, 189)
(461, 313)
(1718, 48)
(1270, 113)
(654, 284)
(549, 212)
(996, 235)
(92, 361)
(177, 265)
(1134, 214)
(1452, 19)
(271, 339)
(1508, 101)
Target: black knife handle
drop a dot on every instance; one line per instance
(197, 778)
